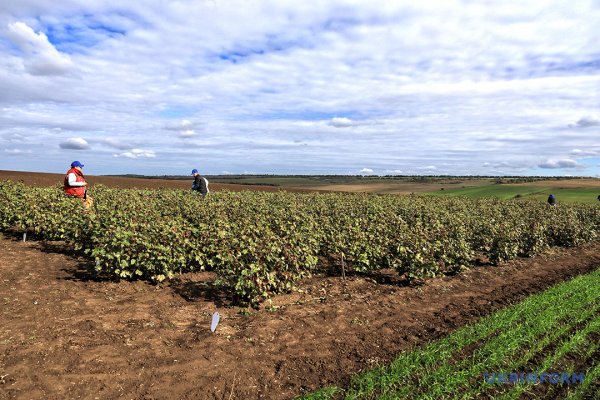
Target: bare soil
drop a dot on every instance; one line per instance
(566, 183)
(381, 187)
(47, 179)
(399, 187)
(65, 333)
(388, 187)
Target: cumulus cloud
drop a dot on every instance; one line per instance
(366, 171)
(556, 164)
(185, 128)
(447, 84)
(182, 125)
(587, 121)
(341, 122)
(41, 57)
(75, 143)
(188, 133)
(584, 153)
(116, 143)
(16, 152)
(515, 165)
(136, 153)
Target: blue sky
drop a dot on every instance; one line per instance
(346, 87)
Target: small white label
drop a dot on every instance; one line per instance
(215, 321)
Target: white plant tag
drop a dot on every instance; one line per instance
(215, 321)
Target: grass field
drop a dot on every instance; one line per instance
(554, 331)
(531, 191)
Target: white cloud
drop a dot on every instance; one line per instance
(137, 153)
(584, 153)
(185, 128)
(15, 152)
(182, 125)
(366, 171)
(75, 143)
(562, 163)
(587, 121)
(187, 133)
(116, 143)
(447, 84)
(341, 122)
(41, 57)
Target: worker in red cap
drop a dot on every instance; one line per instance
(75, 184)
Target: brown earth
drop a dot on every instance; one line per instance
(399, 187)
(48, 179)
(389, 187)
(407, 187)
(566, 183)
(381, 187)
(65, 334)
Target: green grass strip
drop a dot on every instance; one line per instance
(555, 334)
(584, 392)
(425, 372)
(490, 356)
(439, 352)
(571, 345)
(526, 339)
(522, 338)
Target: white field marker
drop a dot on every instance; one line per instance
(215, 321)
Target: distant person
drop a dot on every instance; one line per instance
(200, 184)
(552, 200)
(75, 184)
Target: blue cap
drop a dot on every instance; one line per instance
(76, 164)
(194, 171)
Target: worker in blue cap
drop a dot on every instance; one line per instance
(200, 184)
(75, 184)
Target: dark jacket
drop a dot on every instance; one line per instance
(200, 184)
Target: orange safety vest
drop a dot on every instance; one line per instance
(75, 191)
